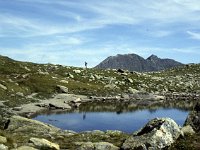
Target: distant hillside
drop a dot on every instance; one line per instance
(133, 62)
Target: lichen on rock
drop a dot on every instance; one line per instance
(156, 134)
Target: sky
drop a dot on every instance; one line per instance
(70, 32)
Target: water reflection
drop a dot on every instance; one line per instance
(126, 117)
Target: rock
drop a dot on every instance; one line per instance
(158, 97)
(62, 89)
(105, 146)
(92, 77)
(25, 148)
(124, 74)
(25, 125)
(43, 73)
(20, 94)
(78, 100)
(97, 146)
(3, 140)
(193, 118)
(132, 91)
(3, 147)
(157, 134)
(59, 106)
(17, 108)
(44, 144)
(85, 146)
(3, 87)
(130, 80)
(25, 75)
(64, 81)
(1, 104)
(41, 105)
(98, 77)
(27, 69)
(187, 130)
(111, 86)
(77, 71)
(70, 75)
(113, 133)
(120, 71)
(125, 96)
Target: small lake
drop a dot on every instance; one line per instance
(123, 121)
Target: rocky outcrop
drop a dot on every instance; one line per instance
(157, 134)
(24, 125)
(133, 62)
(193, 118)
(44, 144)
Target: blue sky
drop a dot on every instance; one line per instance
(70, 32)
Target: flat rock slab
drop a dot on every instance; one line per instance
(25, 148)
(59, 101)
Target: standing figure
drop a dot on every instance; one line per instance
(86, 65)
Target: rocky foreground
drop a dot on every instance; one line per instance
(27, 88)
(19, 133)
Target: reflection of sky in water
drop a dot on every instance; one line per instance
(127, 122)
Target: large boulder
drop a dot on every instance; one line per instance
(44, 144)
(157, 134)
(193, 118)
(25, 125)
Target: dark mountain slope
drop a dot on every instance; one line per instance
(133, 62)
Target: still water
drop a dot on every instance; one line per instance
(125, 121)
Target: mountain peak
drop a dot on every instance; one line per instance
(134, 62)
(153, 57)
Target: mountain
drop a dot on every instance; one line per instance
(133, 62)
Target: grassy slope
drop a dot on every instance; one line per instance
(29, 78)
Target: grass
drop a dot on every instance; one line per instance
(28, 78)
(191, 142)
